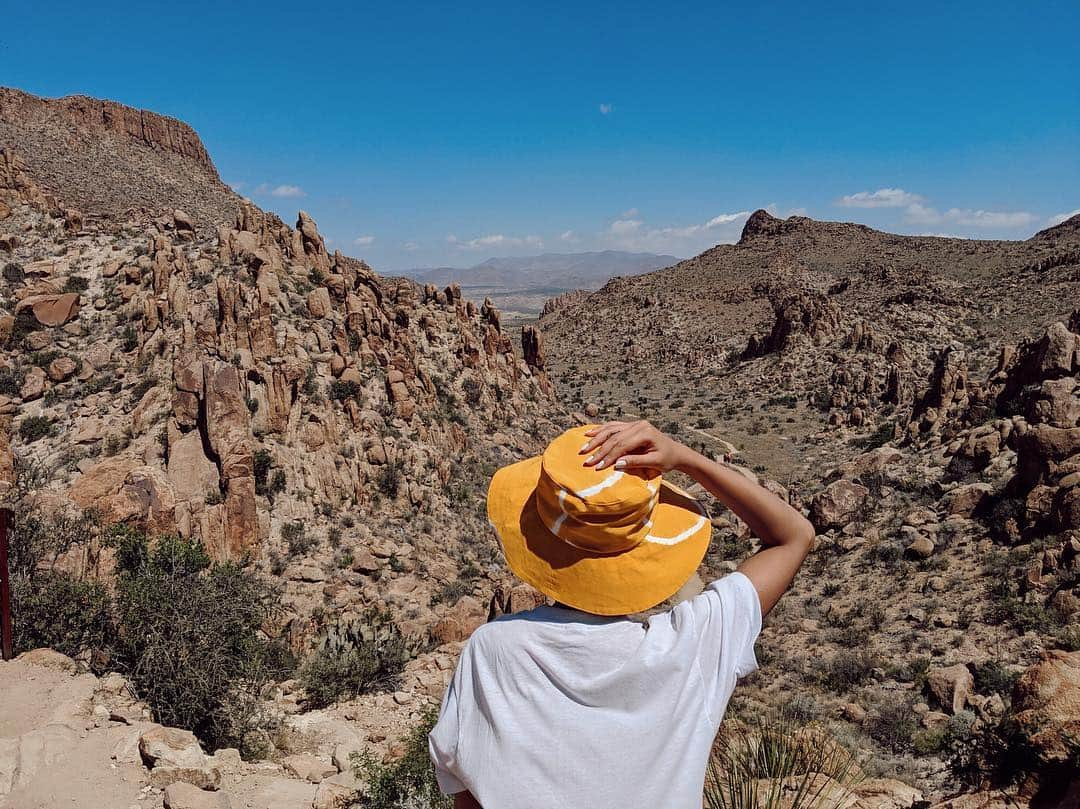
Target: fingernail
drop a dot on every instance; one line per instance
(584, 446)
(589, 459)
(600, 465)
(619, 464)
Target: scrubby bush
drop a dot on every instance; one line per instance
(993, 678)
(76, 283)
(389, 480)
(61, 612)
(11, 381)
(892, 723)
(405, 783)
(189, 636)
(777, 764)
(339, 390)
(33, 428)
(847, 668)
(356, 657)
(300, 542)
(14, 273)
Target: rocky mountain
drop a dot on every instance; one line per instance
(804, 327)
(521, 285)
(238, 383)
(105, 159)
(919, 398)
(559, 270)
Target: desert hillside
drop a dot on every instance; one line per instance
(249, 478)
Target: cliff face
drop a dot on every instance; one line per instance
(239, 383)
(112, 160)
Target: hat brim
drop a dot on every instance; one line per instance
(611, 584)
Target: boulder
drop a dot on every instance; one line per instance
(182, 795)
(33, 385)
(965, 500)
(951, 685)
(171, 747)
(49, 659)
(1046, 704)
(308, 767)
(62, 369)
(460, 621)
(318, 302)
(885, 793)
(921, 547)
(173, 755)
(837, 504)
(182, 222)
(51, 310)
(101, 481)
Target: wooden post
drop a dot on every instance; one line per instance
(5, 585)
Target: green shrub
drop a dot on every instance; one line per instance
(130, 339)
(356, 657)
(190, 639)
(76, 283)
(14, 273)
(775, 765)
(297, 538)
(33, 428)
(61, 612)
(406, 783)
(339, 390)
(11, 381)
(993, 678)
(847, 668)
(892, 724)
(389, 480)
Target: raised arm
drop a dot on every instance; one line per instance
(786, 534)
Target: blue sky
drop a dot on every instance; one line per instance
(425, 134)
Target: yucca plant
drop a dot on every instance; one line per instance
(779, 765)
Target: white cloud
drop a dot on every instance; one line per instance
(631, 214)
(495, 240)
(882, 198)
(283, 191)
(605, 109)
(238, 186)
(635, 234)
(288, 191)
(363, 241)
(1057, 219)
(622, 227)
(410, 246)
(918, 214)
(568, 236)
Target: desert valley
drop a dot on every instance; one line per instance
(248, 479)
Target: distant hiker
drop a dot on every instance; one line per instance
(576, 705)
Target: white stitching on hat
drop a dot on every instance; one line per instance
(675, 540)
(610, 480)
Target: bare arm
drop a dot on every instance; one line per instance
(787, 535)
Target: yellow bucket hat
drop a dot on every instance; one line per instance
(606, 541)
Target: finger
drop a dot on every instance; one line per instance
(650, 460)
(604, 433)
(597, 428)
(618, 445)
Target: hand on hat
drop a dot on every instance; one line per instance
(631, 445)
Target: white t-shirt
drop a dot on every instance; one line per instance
(559, 709)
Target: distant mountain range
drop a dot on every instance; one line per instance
(548, 271)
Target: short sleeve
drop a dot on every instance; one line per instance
(727, 620)
(443, 739)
